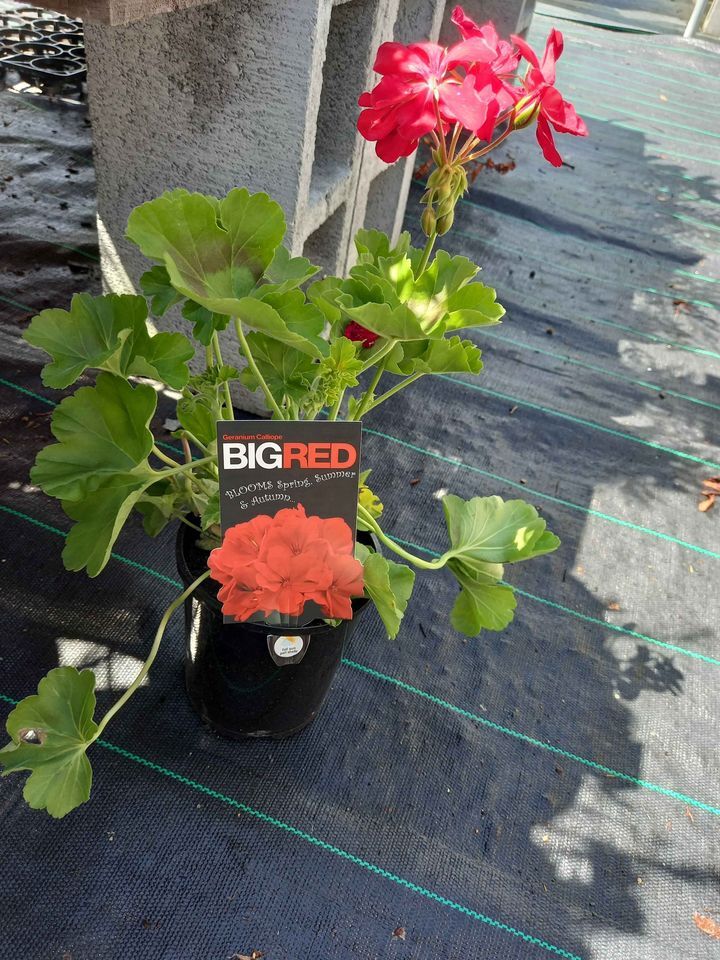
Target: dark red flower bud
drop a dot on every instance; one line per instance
(354, 331)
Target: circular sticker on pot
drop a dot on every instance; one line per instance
(288, 646)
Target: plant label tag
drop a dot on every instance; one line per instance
(288, 504)
(287, 649)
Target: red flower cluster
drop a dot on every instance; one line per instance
(276, 564)
(426, 87)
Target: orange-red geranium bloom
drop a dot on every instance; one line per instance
(276, 564)
(539, 84)
(347, 582)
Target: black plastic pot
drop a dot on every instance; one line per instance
(253, 679)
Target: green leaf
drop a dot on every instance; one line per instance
(325, 294)
(449, 355)
(107, 333)
(205, 322)
(473, 306)
(338, 372)
(163, 356)
(102, 431)
(389, 585)
(211, 513)
(199, 414)
(393, 323)
(287, 372)
(371, 245)
(155, 284)
(492, 530)
(370, 501)
(60, 717)
(287, 318)
(100, 516)
(483, 603)
(158, 505)
(215, 251)
(286, 272)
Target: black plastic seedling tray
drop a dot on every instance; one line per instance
(43, 47)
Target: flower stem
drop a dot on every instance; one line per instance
(440, 133)
(430, 243)
(454, 141)
(245, 346)
(369, 521)
(144, 670)
(491, 146)
(393, 390)
(226, 386)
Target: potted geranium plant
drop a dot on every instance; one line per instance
(314, 349)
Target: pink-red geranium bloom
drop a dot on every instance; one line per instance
(484, 46)
(276, 564)
(422, 90)
(539, 84)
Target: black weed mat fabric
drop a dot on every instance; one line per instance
(547, 791)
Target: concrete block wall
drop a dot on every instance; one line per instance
(256, 93)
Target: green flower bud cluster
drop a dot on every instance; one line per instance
(445, 185)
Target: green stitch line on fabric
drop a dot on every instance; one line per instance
(498, 728)
(675, 295)
(423, 693)
(329, 847)
(338, 851)
(547, 496)
(582, 616)
(590, 424)
(116, 556)
(613, 374)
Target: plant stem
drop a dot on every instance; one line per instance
(226, 386)
(144, 670)
(467, 148)
(440, 133)
(430, 243)
(198, 443)
(491, 146)
(336, 406)
(370, 521)
(454, 141)
(208, 357)
(184, 467)
(164, 457)
(189, 523)
(376, 357)
(272, 403)
(393, 390)
(369, 394)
